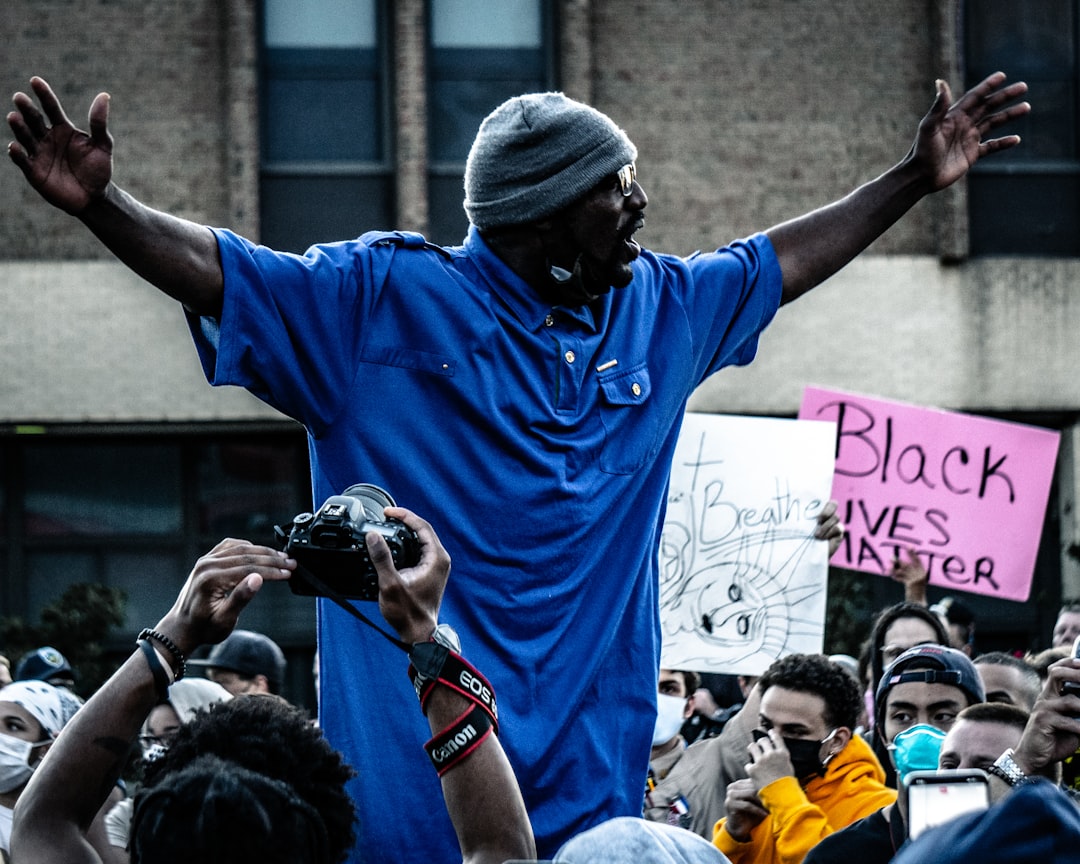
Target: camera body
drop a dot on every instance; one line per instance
(330, 543)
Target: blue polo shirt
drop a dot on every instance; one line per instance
(537, 440)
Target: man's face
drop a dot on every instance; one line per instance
(600, 227)
(235, 683)
(902, 634)
(976, 744)
(793, 713)
(1007, 684)
(1066, 629)
(916, 702)
(672, 683)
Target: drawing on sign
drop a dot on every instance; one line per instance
(742, 581)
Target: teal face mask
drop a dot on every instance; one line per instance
(916, 749)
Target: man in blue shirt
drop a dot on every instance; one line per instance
(504, 389)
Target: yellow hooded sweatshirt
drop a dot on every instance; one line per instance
(853, 787)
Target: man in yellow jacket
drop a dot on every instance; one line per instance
(809, 773)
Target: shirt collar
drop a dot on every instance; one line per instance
(526, 304)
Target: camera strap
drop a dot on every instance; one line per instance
(430, 663)
(433, 664)
(331, 594)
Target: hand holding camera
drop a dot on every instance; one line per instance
(330, 544)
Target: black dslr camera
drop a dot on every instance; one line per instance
(330, 543)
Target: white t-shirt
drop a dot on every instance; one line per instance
(5, 828)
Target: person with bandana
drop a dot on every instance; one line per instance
(32, 713)
(809, 774)
(917, 702)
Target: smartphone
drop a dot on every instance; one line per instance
(935, 797)
(1071, 686)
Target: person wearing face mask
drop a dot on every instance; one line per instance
(31, 715)
(917, 703)
(808, 773)
(674, 689)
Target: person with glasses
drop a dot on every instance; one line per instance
(186, 698)
(527, 385)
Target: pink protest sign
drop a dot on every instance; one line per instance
(967, 493)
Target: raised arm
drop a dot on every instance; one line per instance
(72, 170)
(61, 799)
(951, 138)
(481, 792)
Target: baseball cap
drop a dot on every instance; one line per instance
(248, 653)
(931, 664)
(44, 664)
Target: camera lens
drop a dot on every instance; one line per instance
(372, 498)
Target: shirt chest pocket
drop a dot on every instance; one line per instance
(630, 419)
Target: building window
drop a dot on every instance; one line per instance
(135, 511)
(480, 54)
(1026, 201)
(325, 164)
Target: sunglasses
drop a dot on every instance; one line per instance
(627, 175)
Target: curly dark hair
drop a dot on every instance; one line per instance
(212, 810)
(817, 674)
(268, 736)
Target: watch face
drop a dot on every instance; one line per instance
(444, 634)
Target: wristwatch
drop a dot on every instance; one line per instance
(446, 636)
(1006, 768)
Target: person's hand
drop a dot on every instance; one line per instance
(952, 136)
(912, 575)
(744, 809)
(1053, 729)
(409, 599)
(829, 527)
(769, 760)
(702, 702)
(68, 167)
(221, 584)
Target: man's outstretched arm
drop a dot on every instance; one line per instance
(72, 170)
(951, 138)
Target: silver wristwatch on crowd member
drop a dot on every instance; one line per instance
(446, 636)
(1006, 768)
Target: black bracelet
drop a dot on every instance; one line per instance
(161, 677)
(178, 656)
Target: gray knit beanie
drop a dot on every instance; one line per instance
(537, 153)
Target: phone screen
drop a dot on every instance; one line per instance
(938, 797)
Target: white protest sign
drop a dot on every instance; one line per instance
(742, 580)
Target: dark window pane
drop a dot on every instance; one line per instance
(1025, 214)
(76, 488)
(151, 580)
(322, 105)
(245, 489)
(49, 574)
(448, 222)
(300, 211)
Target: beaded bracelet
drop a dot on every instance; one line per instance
(178, 656)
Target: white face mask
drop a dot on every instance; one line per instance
(669, 718)
(15, 767)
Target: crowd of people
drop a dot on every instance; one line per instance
(519, 376)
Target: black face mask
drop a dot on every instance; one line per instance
(805, 756)
(574, 289)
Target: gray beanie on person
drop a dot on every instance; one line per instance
(632, 840)
(537, 153)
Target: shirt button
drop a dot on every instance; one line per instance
(569, 355)
(635, 388)
(549, 320)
